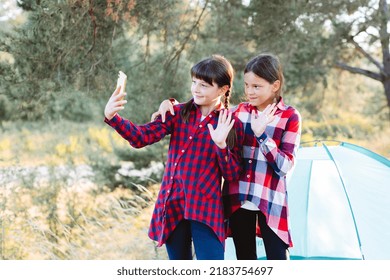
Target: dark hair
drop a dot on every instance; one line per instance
(214, 69)
(268, 67)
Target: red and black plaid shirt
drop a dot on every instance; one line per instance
(191, 185)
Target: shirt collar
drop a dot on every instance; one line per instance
(218, 108)
(280, 105)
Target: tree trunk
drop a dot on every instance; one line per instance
(384, 38)
(386, 85)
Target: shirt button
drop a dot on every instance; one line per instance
(190, 137)
(171, 177)
(261, 140)
(182, 151)
(168, 191)
(250, 161)
(248, 176)
(200, 125)
(210, 116)
(175, 163)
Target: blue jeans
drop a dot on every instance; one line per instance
(206, 243)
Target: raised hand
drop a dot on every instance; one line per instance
(220, 133)
(115, 104)
(165, 106)
(260, 121)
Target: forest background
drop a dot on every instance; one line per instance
(70, 188)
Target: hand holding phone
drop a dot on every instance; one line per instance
(121, 81)
(113, 106)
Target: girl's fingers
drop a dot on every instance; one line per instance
(119, 103)
(116, 91)
(231, 125)
(269, 108)
(253, 115)
(211, 128)
(271, 115)
(163, 116)
(154, 116)
(225, 117)
(118, 96)
(171, 109)
(121, 96)
(266, 110)
(164, 110)
(229, 117)
(221, 117)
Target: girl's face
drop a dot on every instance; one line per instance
(259, 91)
(205, 94)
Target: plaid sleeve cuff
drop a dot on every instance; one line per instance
(223, 153)
(262, 138)
(116, 119)
(266, 144)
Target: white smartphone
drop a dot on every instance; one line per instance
(121, 81)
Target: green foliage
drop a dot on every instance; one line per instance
(28, 5)
(62, 45)
(106, 171)
(149, 85)
(80, 45)
(71, 105)
(142, 157)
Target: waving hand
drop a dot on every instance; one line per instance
(220, 133)
(260, 121)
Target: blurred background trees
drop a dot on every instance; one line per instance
(66, 54)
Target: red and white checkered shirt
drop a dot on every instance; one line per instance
(191, 185)
(266, 161)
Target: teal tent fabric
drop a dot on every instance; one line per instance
(339, 199)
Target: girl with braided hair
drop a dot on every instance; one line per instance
(203, 150)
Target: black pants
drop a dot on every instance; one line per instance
(243, 226)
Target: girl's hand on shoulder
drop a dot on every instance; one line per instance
(115, 104)
(220, 133)
(260, 121)
(165, 106)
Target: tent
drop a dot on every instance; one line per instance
(339, 201)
